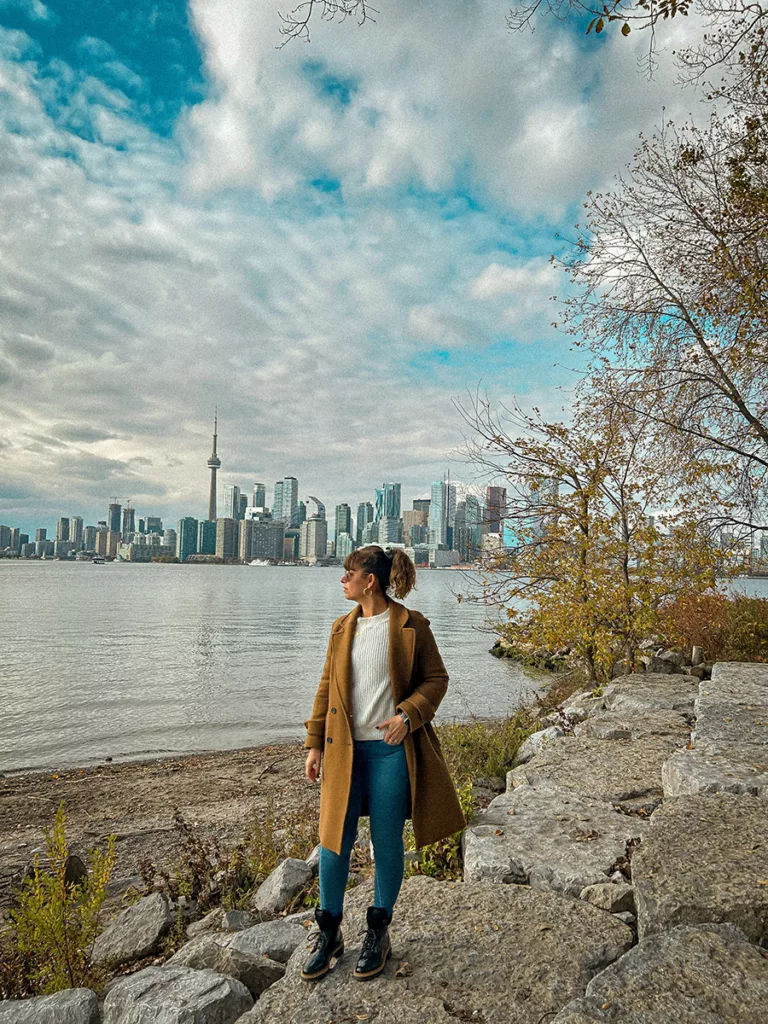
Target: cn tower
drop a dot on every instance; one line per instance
(214, 463)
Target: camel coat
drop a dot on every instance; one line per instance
(419, 681)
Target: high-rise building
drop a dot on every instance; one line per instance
(313, 539)
(259, 495)
(186, 538)
(41, 534)
(242, 506)
(345, 545)
(496, 504)
(89, 538)
(154, 524)
(206, 537)
(76, 532)
(414, 518)
(290, 500)
(460, 536)
(15, 539)
(226, 538)
(261, 537)
(113, 542)
(319, 508)
(169, 538)
(476, 527)
(214, 464)
(421, 505)
(390, 530)
(142, 526)
(442, 510)
(231, 506)
(129, 522)
(102, 535)
(343, 519)
(387, 501)
(62, 529)
(5, 537)
(301, 515)
(370, 533)
(113, 517)
(277, 501)
(364, 516)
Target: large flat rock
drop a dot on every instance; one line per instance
(688, 772)
(652, 691)
(614, 772)
(739, 673)
(549, 838)
(704, 974)
(176, 995)
(732, 712)
(704, 859)
(75, 1006)
(624, 725)
(474, 952)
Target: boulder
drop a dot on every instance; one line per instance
(211, 922)
(623, 770)
(460, 952)
(136, 932)
(176, 995)
(704, 974)
(548, 838)
(255, 971)
(660, 666)
(703, 859)
(280, 886)
(618, 725)
(581, 706)
(313, 860)
(616, 898)
(652, 692)
(74, 1006)
(537, 741)
(275, 939)
(688, 772)
(237, 921)
(677, 658)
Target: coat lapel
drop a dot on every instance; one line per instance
(342, 639)
(402, 645)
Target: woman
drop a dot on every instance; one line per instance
(370, 728)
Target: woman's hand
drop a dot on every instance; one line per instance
(396, 729)
(312, 767)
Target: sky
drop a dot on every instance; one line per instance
(332, 242)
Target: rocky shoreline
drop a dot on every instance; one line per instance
(622, 876)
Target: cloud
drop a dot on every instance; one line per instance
(28, 351)
(35, 10)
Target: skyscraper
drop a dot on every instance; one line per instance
(421, 505)
(113, 517)
(242, 505)
(290, 500)
(277, 501)
(231, 509)
(129, 522)
(186, 538)
(387, 501)
(41, 534)
(62, 528)
(206, 537)
(343, 519)
(154, 524)
(364, 516)
(496, 503)
(76, 532)
(214, 464)
(442, 511)
(226, 538)
(475, 526)
(259, 495)
(89, 538)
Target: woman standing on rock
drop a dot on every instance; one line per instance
(370, 728)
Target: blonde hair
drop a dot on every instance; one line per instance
(393, 569)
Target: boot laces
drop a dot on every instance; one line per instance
(371, 940)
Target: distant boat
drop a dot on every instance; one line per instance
(98, 560)
(260, 561)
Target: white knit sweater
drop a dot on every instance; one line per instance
(372, 700)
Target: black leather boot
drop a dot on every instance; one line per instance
(329, 943)
(376, 946)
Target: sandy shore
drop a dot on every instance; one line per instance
(218, 792)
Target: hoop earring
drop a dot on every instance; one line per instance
(366, 591)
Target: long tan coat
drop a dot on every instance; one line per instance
(419, 682)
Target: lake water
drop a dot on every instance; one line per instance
(123, 660)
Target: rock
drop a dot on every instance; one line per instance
(706, 974)
(136, 932)
(456, 939)
(652, 692)
(581, 706)
(237, 921)
(275, 939)
(688, 772)
(74, 1006)
(537, 741)
(176, 995)
(623, 770)
(677, 658)
(618, 725)
(211, 922)
(658, 665)
(313, 860)
(630, 920)
(731, 711)
(698, 671)
(255, 971)
(616, 899)
(621, 668)
(703, 859)
(281, 885)
(548, 838)
(697, 656)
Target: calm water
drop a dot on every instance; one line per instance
(126, 660)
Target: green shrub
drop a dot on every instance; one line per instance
(480, 748)
(54, 923)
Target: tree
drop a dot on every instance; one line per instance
(591, 566)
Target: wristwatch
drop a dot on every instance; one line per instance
(406, 719)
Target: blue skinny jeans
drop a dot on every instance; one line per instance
(380, 773)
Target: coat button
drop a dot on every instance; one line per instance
(333, 711)
(329, 739)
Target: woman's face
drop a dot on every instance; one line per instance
(355, 581)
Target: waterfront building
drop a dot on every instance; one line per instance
(370, 533)
(206, 537)
(422, 505)
(154, 524)
(496, 504)
(345, 545)
(129, 522)
(5, 537)
(44, 547)
(186, 538)
(259, 495)
(442, 511)
(231, 505)
(41, 534)
(319, 508)
(101, 540)
(277, 501)
(142, 526)
(169, 538)
(476, 527)
(460, 531)
(226, 538)
(76, 532)
(343, 519)
(390, 530)
(291, 544)
(89, 538)
(387, 504)
(114, 517)
(290, 500)
(266, 539)
(15, 539)
(414, 518)
(214, 464)
(313, 538)
(62, 529)
(301, 515)
(114, 539)
(364, 516)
